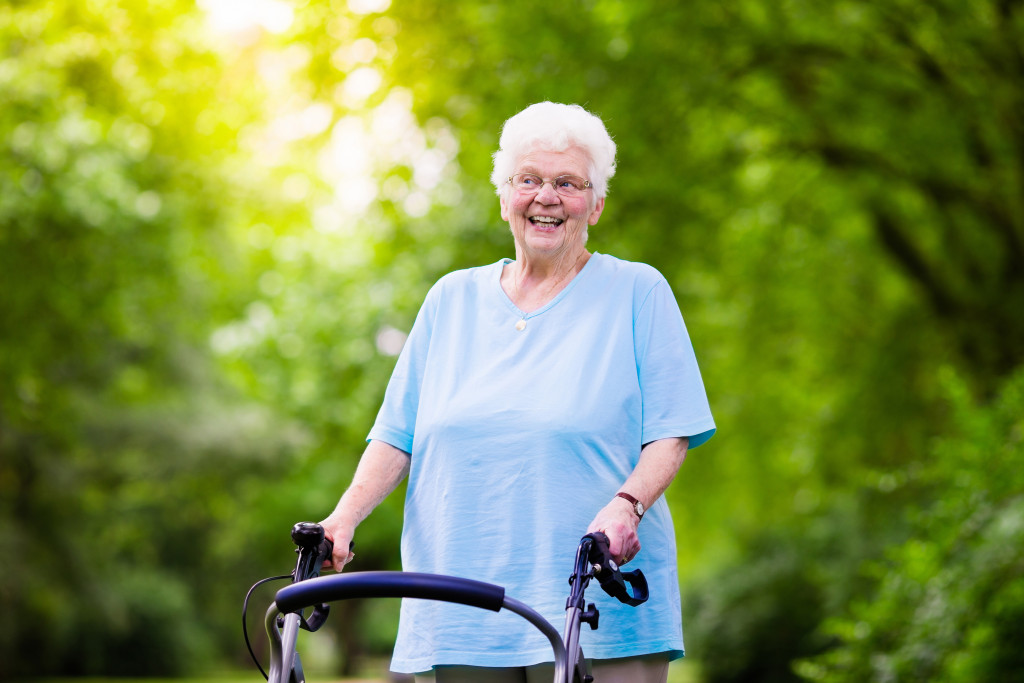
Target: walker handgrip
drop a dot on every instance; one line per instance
(613, 580)
(389, 585)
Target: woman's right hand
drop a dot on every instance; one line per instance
(380, 470)
(341, 535)
(618, 522)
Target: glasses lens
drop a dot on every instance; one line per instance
(566, 185)
(527, 182)
(570, 185)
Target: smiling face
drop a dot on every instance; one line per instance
(546, 224)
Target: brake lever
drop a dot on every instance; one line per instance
(638, 583)
(613, 581)
(316, 619)
(314, 548)
(321, 611)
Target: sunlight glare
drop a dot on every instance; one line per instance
(240, 16)
(359, 85)
(347, 155)
(368, 6)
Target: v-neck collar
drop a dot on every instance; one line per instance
(522, 315)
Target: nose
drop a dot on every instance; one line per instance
(546, 194)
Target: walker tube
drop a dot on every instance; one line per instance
(562, 672)
(389, 585)
(283, 656)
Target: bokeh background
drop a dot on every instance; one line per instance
(218, 219)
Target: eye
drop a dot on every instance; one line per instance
(529, 180)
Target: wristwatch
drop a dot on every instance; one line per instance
(638, 507)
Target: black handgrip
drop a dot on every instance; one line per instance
(612, 580)
(313, 549)
(390, 585)
(599, 546)
(326, 549)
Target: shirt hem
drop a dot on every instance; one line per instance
(399, 440)
(505, 659)
(697, 432)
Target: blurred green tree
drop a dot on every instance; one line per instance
(213, 242)
(834, 192)
(949, 602)
(122, 446)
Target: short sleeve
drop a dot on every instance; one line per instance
(396, 419)
(674, 401)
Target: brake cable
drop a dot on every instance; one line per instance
(245, 608)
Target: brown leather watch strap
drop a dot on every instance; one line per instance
(638, 507)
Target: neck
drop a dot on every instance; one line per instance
(532, 283)
(543, 267)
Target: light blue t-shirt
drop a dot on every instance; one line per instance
(518, 437)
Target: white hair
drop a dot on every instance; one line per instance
(555, 127)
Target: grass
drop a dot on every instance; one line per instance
(372, 671)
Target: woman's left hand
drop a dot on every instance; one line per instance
(618, 522)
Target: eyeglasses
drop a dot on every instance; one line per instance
(565, 185)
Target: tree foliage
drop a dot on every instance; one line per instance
(212, 240)
(121, 444)
(950, 601)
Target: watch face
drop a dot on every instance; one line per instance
(640, 508)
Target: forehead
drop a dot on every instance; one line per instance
(551, 163)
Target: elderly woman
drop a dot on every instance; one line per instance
(536, 400)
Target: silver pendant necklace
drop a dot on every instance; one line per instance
(521, 323)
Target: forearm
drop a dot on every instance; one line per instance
(659, 461)
(381, 469)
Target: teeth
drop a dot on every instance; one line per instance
(546, 219)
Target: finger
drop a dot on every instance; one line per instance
(629, 550)
(341, 560)
(615, 545)
(633, 552)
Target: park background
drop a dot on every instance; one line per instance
(217, 222)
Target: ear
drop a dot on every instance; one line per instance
(504, 207)
(596, 213)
